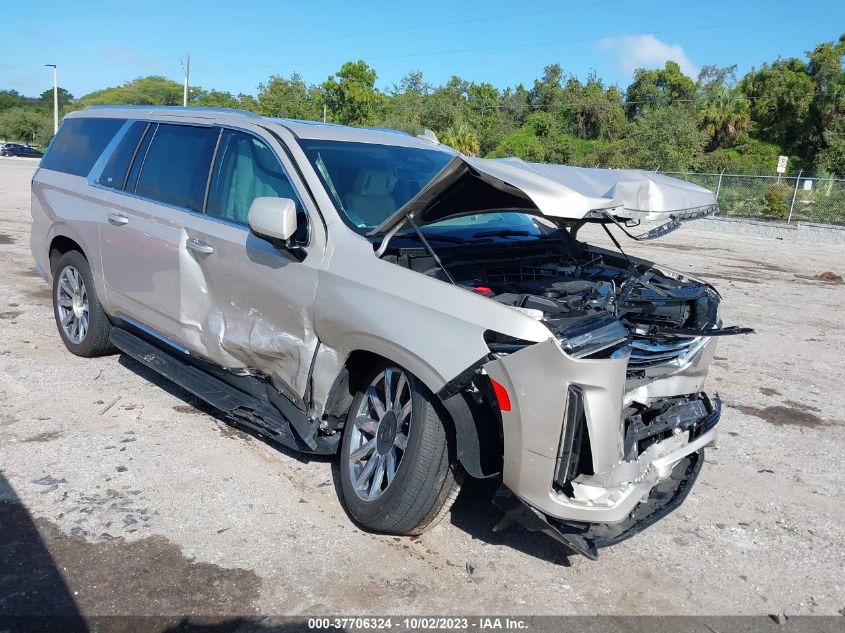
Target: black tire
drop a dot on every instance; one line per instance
(95, 341)
(427, 479)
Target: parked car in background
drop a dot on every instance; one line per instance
(16, 149)
(420, 313)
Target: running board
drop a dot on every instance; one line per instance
(237, 405)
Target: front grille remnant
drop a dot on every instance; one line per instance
(649, 352)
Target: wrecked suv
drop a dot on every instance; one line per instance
(422, 313)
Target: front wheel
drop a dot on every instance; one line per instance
(395, 469)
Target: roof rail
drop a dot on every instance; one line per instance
(324, 123)
(178, 109)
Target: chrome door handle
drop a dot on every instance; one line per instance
(117, 219)
(199, 246)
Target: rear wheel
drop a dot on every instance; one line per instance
(396, 472)
(83, 325)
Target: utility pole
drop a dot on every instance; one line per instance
(187, 67)
(55, 97)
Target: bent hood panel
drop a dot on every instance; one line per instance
(640, 194)
(467, 186)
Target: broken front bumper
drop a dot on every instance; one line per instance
(626, 462)
(588, 538)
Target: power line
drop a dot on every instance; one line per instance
(530, 44)
(420, 27)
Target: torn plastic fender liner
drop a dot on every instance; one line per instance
(477, 442)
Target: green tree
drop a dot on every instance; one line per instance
(405, 104)
(547, 93)
(666, 138)
(214, 99)
(515, 107)
(26, 125)
(483, 116)
(724, 112)
(780, 97)
(46, 98)
(831, 157)
(446, 106)
(248, 102)
(523, 144)
(593, 112)
(659, 88)
(351, 95)
(827, 111)
(289, 98)
(543, 125)
(725, 117)
(10, 99)
(461, 138)
(152, 90)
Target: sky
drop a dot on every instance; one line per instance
(235, 46)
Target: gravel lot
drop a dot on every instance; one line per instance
(156, 506)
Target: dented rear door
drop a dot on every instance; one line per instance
(245, 304)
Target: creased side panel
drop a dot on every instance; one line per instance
(248, 305)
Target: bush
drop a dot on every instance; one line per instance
(748, 157)
(522, 144)
(542, 124)
(775, 202)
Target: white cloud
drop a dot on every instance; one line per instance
(645, 51)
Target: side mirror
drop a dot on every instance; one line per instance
(273, 218)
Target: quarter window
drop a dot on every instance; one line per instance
(244, 169)
(79, 144)
(114, 173)
(175, 170)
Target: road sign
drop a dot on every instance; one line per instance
(782, 164)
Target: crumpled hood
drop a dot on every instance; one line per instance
(468, 186)
(640, 194)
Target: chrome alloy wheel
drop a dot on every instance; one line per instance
(72, 304)
(380, 434)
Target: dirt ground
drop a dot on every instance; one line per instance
(155, 506)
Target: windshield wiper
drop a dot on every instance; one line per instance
(502, 233)
(452, 239)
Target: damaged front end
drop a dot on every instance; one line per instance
(610, 421)
(606, 420)
(604, 424)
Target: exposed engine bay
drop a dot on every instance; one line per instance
(597, 303)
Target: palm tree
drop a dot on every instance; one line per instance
(462, 138)
(725, 117)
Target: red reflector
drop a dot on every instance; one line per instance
(501, 396)
(483, 290)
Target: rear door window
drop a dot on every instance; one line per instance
(114, 173)
(79, 144)
(175, 169)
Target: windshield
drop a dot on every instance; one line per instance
(370, 182)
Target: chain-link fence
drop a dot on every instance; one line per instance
(775, 198)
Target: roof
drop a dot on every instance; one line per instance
(302, 129)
